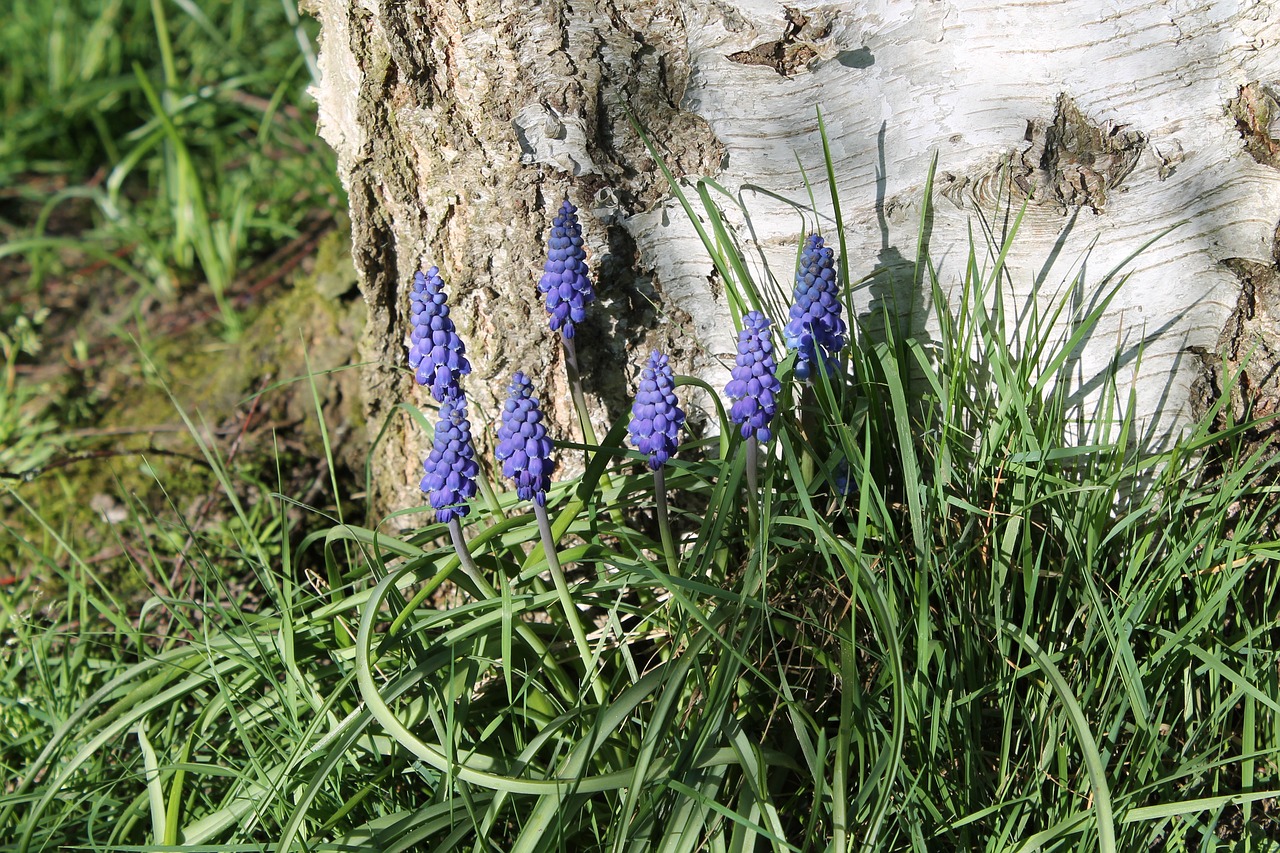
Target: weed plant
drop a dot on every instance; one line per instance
(946, 606)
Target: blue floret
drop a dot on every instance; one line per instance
(523, 446)
(816, 329)
(754, 387)
(451, 468)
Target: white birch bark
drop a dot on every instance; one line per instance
(460, 125)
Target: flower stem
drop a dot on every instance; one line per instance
(579, 398)
(468, 563)
(664, 522)
(566, 601)
(753, 484)
(486, 589)
(810, 428)
(584, 418)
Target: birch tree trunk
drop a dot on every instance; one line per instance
(461, 124)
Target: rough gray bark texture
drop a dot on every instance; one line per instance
(461, 124)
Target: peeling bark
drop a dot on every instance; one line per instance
(1068, 162)
(793, 52)
(461, 124)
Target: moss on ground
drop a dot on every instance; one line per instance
(132, 492)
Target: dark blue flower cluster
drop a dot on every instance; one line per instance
(816, 330)
(754, 388)
(436, 353)
(451, 468)
(523, 447)
(565, 281)
(655, 416)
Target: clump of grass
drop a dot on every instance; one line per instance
(941, 617)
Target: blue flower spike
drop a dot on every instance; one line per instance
(565, 281)
(451, 467)
(655, 425)
(656, 418)
(523, 446)
(566, 284)
(816, 330)
(436, 353)
(525, 453)
(754, 386)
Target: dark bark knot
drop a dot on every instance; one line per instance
(792, 53)
(1256, 110)
(1069, 161)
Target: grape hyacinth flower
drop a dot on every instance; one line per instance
(436, 353)
(816, 330)
(754, 388)
(523, 447)
(655, 417)
(567, 286)
(525, 453)
(564, 281)
(655, 430)
(451, 468)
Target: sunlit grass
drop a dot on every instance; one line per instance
(945, 622)
(961, 610)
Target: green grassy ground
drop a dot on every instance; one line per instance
(163, 196)
(942, 620)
